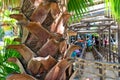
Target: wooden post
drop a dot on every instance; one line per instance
(109, 44)
(119, 46)
(119, 42)
(99, 39)
(102, 71)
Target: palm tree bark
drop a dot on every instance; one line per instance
(45, 39)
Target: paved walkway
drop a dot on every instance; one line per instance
(89, 69)
(89, 72)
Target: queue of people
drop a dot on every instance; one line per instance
(89, 41)
(81, 42)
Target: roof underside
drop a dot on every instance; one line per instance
(97, 19)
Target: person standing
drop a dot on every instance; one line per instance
(89, 44)
(105, 42)
(97, 43)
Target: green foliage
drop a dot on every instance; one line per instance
(1, 33)
(6, 19)
(95, 34)
(5, 4)
(1, 47)
(0, 3)
(10, 40)
(78, 8)
(6, 67)
(11, 23)
(114, 6)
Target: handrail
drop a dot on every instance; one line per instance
(110, 57)
(103, 70)
(108, 49)
(98, 54)
(83, 51)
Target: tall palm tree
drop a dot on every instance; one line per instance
(43, 41)
(37, 29)
(77, 7)
(76, 10)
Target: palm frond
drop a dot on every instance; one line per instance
(5, 4)
(114, 6)
(78, 8)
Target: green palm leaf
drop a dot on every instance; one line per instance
(78, 8)
(114, 5)
(5, 4)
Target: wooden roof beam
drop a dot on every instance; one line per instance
(95, 10)
(97, 20)
(95, 25)
(94, 14)
(87, 31)
(101, 30)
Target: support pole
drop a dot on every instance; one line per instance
(109, 44)
(119, 46)
(100, 36)
(119, 42)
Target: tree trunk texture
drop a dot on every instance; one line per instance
(43, 44)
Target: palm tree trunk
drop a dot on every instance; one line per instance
(46, 26)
